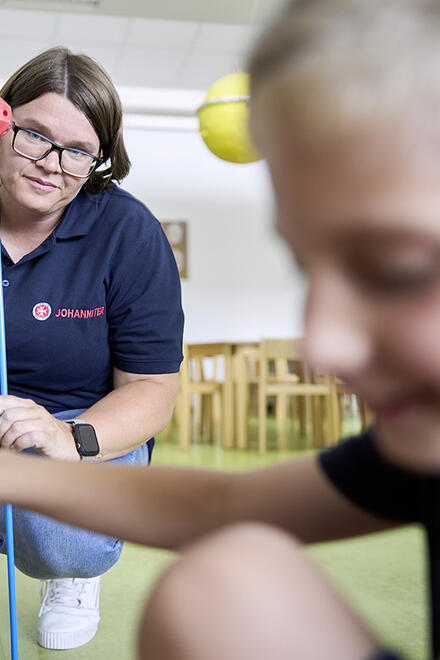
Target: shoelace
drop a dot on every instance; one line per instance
(60, 593)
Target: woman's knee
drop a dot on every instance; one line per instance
(45, 548)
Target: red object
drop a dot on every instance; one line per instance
(5, 118)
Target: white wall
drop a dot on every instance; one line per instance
(241, 283)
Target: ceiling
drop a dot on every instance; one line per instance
(174, 44)
(225, 11)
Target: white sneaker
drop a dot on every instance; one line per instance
(69, 613)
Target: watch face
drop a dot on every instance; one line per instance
(86, 440)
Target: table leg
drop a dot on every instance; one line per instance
(241, 417)
(228, 401)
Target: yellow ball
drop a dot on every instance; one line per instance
(224, 119)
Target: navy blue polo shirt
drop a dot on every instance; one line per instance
(101, 291)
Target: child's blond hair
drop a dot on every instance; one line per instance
(332, 65)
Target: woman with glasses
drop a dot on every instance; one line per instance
(93, 316)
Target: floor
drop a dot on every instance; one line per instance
(383, 575)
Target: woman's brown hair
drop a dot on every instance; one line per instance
(85, 83)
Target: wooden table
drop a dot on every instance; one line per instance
(230, 351)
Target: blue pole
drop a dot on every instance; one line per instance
(9, 521)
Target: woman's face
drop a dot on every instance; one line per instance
(363, 221)
(41, 187)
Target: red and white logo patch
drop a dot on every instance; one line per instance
(41, 311)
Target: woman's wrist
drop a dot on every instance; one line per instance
(67, 448)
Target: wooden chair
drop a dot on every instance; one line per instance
(283, 375)
(246, 378)
(312, 393)
(200, 398)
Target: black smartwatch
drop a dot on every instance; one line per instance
(85, 439)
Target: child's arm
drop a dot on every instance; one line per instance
(169, 507)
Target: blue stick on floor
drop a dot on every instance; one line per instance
(9, 522)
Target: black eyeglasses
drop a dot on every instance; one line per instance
(35, 146)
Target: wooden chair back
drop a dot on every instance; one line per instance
(292, 379)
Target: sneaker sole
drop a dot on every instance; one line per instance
(65, 640)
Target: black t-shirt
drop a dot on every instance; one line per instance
(359, 472)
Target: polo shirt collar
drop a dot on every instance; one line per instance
(79, 216)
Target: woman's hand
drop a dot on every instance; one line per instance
(24, 424)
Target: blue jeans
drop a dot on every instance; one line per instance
(46, 548)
